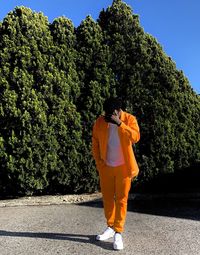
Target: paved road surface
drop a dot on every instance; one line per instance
(159, 227)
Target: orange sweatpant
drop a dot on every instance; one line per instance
(115, 187)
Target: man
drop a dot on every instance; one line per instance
(112, 139)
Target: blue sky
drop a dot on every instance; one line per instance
(174, 23)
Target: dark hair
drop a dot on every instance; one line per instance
(111, 104)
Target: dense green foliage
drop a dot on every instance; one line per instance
(40, 127)
(155, 91)
(54, 79)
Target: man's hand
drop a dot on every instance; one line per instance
(115, 119)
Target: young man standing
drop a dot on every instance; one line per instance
(112, 140)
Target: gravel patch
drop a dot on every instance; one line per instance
(50, 200)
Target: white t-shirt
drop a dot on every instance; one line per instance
(115, 155)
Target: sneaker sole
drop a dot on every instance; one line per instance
(118, 249)
(98, 238)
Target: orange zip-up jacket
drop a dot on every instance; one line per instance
(129, 134)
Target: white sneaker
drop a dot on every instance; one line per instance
(108, 233)
(118, 243)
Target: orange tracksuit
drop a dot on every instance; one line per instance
(115, 182)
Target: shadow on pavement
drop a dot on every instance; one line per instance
(170, 207)
(79, 238)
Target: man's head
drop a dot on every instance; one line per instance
(111, 105)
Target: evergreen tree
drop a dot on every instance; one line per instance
(41, 129)
(64, 57)
(23, 168)
(150, 86)
(96, 84)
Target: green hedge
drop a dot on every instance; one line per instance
(54, 79)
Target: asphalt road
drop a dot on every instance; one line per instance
(159, 227)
